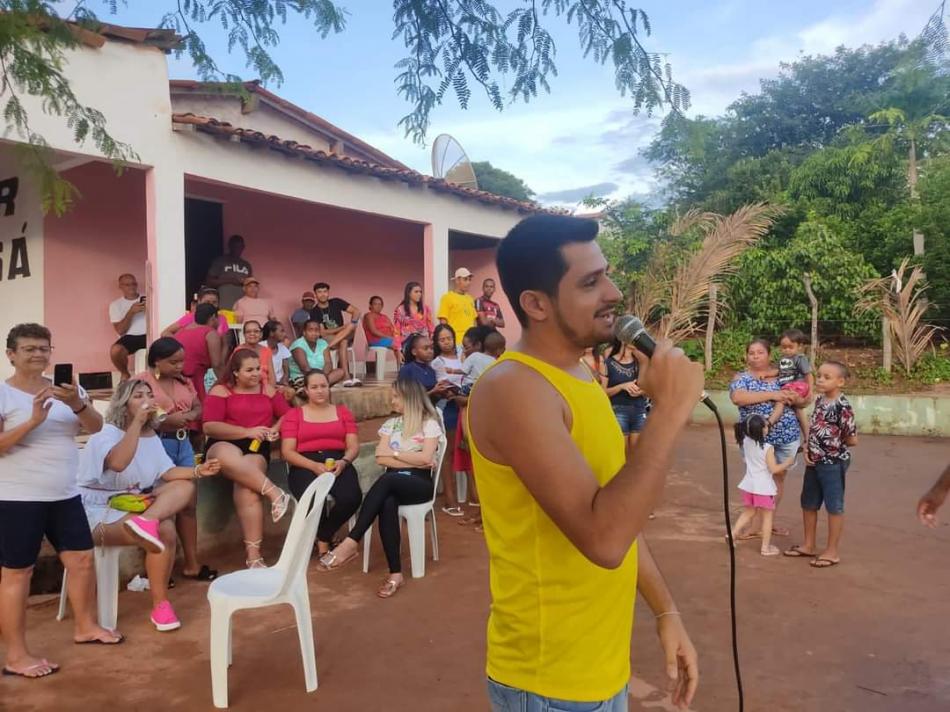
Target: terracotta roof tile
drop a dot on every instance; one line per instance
(215, 127)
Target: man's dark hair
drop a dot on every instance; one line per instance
(843, 370)
(204, 312)
(27, 331)
(530, 257)
(374, 298)
(202, 291)
(320, 285)
(796, 336)
(235, 238)
(477, 335)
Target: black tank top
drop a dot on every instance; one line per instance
(618, 373)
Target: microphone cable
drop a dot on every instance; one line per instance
(732, 550)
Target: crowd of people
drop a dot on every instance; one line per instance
(206, 406)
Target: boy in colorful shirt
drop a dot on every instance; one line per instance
(831, 432)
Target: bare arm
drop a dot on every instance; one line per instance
(386, 457)
(300, 358)
(123, 452)
(125, 322)
(171, 329)
(681, 659)
(742, 397)
(602, 522)
(13, 436)
(353, 312)
(340, 335)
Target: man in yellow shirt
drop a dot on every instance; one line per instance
(457, 308)
(563, 507)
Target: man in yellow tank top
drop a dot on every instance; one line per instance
(563, 507)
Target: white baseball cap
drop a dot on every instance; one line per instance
(462, 272)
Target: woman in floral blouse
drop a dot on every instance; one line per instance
(756, 390)
(411, 316)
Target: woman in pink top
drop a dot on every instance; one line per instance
(203, 347)
(411, 317)
(310, 436)
(241, 419)
(206, 295)
(176, 396)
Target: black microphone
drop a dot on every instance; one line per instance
(628, 329)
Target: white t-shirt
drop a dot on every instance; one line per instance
(475, 365)
(119, 308)
(440, 363)
(400, 442)
(758, 479)
(98, 483)
(42, 467)
(280, 354)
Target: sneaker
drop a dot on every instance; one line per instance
(146, 531)
(163, 617)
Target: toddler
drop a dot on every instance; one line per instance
(758, 485)
(794, 374)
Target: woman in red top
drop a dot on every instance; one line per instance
(380, 332)
(239, 420)
(312, 434)
(203, 347)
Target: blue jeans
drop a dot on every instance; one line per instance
(631, 417)
(511, 699)
(824, 482)
(180, 451)
(785, 451)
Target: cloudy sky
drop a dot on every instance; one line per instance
(582, 137)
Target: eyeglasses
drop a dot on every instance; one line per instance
(45, 350)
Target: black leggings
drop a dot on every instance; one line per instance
(346, 493)
(394, 487)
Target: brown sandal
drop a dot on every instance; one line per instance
(389, 588)
(330, 561)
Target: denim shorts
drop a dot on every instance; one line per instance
(511, 699)
(631, 417)
(180, 451)
(824, 482)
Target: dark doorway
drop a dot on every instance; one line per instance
(204, 235)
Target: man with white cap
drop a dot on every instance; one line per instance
(457, 308)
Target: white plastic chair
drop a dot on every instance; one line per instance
(415, 516)
(381, 354)
(285, 582)
(350, 357)
(140, 360)
(107, 587)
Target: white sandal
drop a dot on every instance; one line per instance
(257, 563)
(279, 506)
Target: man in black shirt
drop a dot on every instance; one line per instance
(228, 273)
(335, 315)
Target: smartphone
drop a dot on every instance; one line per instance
(63, 374)
(142, 300)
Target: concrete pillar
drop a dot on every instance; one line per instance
(165, 220)
(436, 264)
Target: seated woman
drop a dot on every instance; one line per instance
(126, 457)
(379, 330)
(175, 395)
(313, 435)
(309, 351)
(241, 418)
(407, 449)
(253, 338)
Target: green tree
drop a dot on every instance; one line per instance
(767, 295)
(451, 45)
(500, 182)
(935, 222)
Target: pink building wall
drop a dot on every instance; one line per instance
(292, 244)
(482, 264)
(85, 251)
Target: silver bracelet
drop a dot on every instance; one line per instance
(667, 613)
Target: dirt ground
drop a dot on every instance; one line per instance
(869, 635)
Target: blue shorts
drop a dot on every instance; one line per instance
(511, 699)
(24, 524)
(180, 451)
(824, 482)
(631, 417)
(385, 342)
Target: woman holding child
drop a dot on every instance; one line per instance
(757, 390)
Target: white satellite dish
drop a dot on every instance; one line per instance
(449, 161)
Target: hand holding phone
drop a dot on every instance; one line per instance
(63, 374)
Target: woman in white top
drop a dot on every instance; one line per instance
(758, 486)
(39, 497)
(407, 449)
(127, 458)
